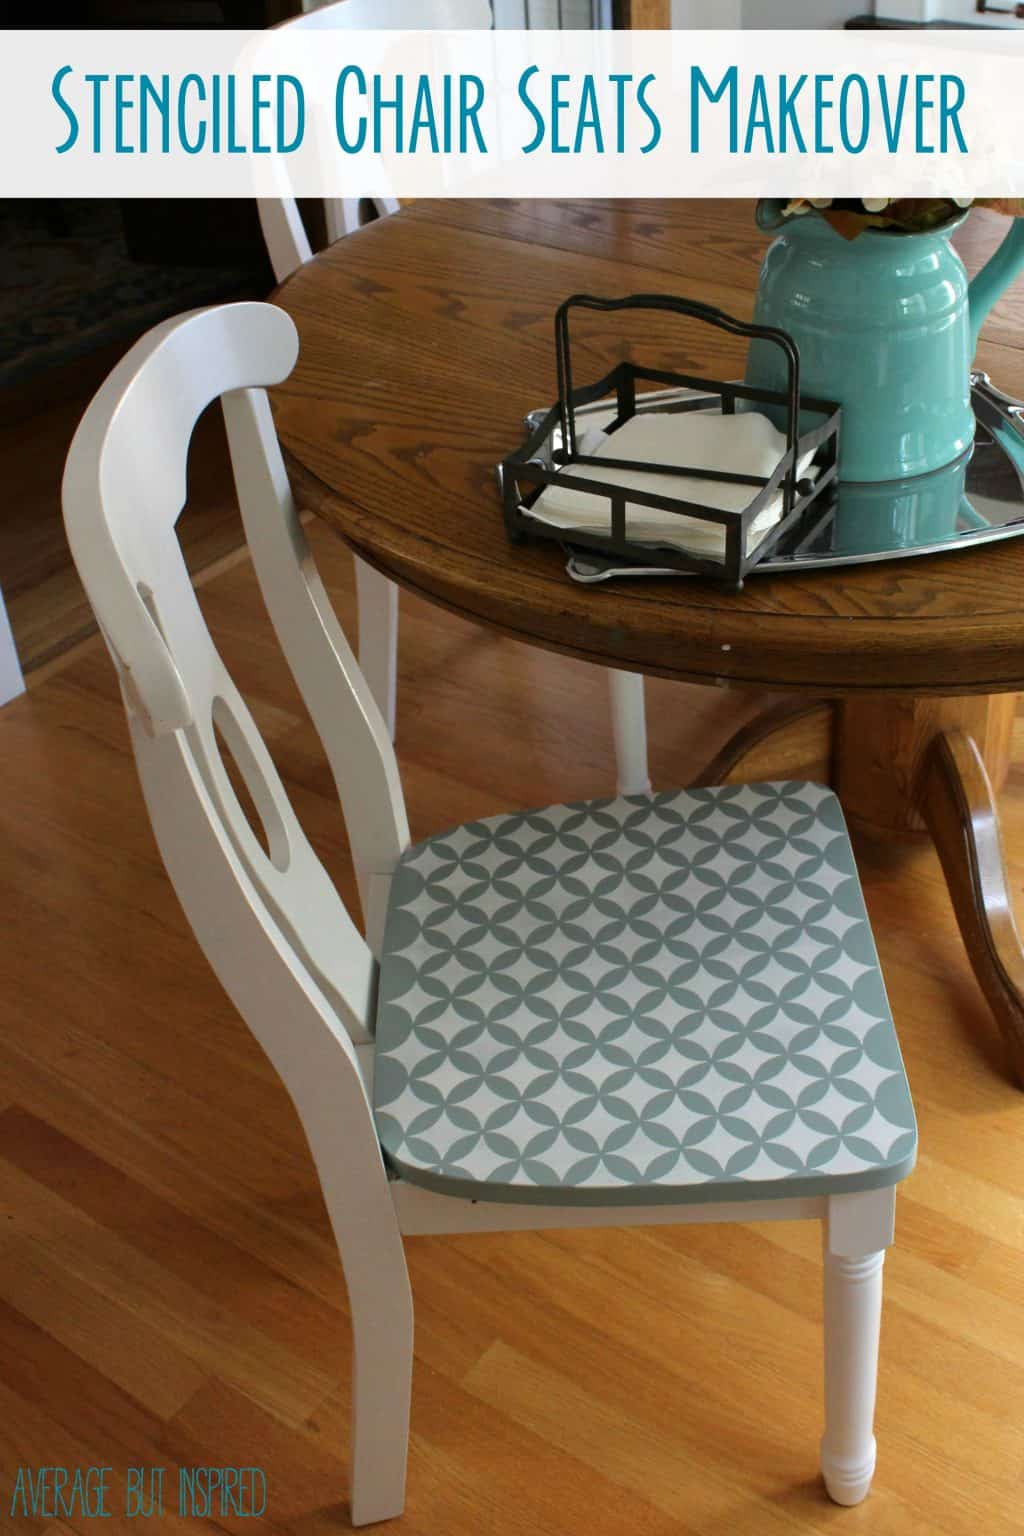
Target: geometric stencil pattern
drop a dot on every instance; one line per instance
(664, 999)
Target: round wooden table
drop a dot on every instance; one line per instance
(424, 339)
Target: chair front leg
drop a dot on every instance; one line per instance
(853, 1315)
(858, 1229)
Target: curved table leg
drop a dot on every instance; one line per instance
(906, 768)
(791, 740)
(959, 809)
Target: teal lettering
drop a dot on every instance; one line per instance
(260, 104)
(234, 147)
(892, 114)
(62, 149)
(355, 74)
(160, 99)
(923, 105)
(620, 82)
(283, 83)
(19, 1481)
(559, 102)
(951, 86)
(759, 118)
(851, 145)
(532, 108)
(469, 112)
(122, 103)
(589, 120)
(137, 1502)
(788, 120)
(649, 112)
(381, 104)
(423, 120)
(96, 81)
(190, 146)
(822, 104)
(728, 88)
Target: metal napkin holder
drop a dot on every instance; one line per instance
(551, 449)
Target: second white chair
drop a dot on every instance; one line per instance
(289, 248)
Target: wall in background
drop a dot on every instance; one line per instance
(774, 14)
(704, 17)
(946, 12)
(777, 14)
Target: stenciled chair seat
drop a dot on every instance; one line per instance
(643, 999)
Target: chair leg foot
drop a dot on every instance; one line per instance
(629, 731)
(847, 1482)
(853, 1314)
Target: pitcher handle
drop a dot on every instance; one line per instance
(995, 278)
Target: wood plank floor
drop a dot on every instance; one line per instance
(169, 1294)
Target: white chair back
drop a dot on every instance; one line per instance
(283, 230)
(270, 915)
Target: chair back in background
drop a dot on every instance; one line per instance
(285, 234)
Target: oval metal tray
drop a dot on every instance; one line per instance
(976, 500)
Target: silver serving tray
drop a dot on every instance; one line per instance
(977, 500)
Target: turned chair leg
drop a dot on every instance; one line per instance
(378, 637)
(629, 731)
(853, 1315)
(857, 1230)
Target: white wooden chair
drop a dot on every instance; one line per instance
(618, 1012)
(288, 247)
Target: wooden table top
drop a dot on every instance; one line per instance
(425, 338)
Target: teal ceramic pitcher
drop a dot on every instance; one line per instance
(887, 325)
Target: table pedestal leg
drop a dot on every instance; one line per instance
(789, 741)
(958, 805)
(905, 769)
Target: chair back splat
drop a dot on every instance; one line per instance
(124, 488)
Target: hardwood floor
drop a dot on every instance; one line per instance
(47, 608)
(169, 1294)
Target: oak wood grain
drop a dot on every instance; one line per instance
(959, 807)
(882, 745)
(425, 337)
(789, 740)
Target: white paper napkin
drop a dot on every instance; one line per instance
(747, 444)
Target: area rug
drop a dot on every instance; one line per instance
(68, 285)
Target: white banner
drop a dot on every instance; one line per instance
(510, 114)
